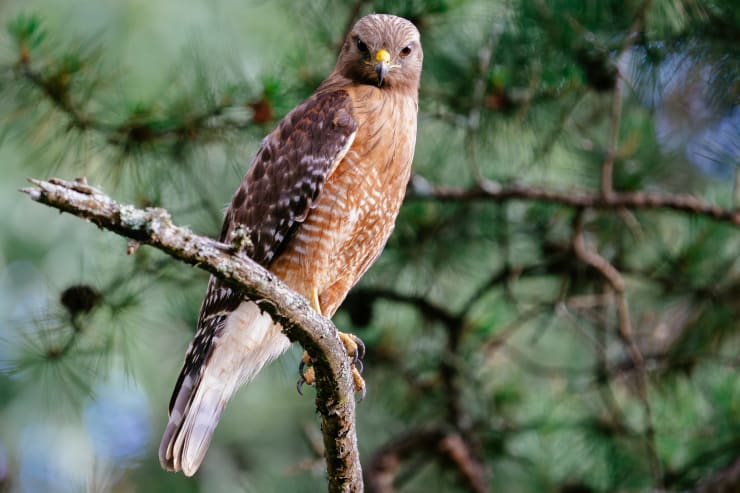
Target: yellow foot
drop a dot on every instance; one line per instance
(355, 350)
(306, 372)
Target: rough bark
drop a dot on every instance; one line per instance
(335, 389)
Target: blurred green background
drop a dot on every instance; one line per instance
(495, 360)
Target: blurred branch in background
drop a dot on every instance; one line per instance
(138, 129)
(423, 190)
(615, 280)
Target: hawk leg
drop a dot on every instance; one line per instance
(355, 350)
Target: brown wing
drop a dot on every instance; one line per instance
(289, 172)
(275, 196)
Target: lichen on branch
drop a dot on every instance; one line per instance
(153, 226)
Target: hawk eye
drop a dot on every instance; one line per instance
(361, 46)
(405, 52)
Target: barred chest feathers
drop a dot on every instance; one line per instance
(355, 213)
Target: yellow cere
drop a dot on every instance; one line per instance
(382, 56)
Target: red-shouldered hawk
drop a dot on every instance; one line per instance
(319, 200)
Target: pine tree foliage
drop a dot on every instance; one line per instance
(558, 308)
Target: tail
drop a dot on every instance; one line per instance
(248, 341)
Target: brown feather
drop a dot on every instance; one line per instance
(319, 200)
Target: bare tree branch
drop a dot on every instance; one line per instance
(469, 465)
(725, 480)
(335, 399)
(384, 465)
(615, 280)
(607, 167)
(449, 448)
(420, 189)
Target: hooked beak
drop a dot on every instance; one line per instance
(383, 60)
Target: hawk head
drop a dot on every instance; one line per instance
(382, 50)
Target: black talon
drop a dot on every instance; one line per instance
(362, 395)
(360, 347)
(359, 366)
(301, 379)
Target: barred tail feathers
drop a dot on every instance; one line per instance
(249, 340)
